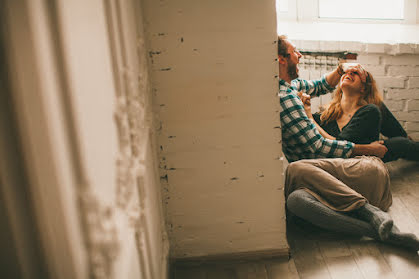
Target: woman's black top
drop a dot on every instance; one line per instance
(365, 125)
(363, 128)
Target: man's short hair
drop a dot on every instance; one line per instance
(282, 46)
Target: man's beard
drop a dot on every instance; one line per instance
(292, 71)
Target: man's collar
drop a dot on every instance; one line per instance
(283, 82)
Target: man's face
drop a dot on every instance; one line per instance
(292, 61)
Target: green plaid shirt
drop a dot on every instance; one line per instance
(300, 138)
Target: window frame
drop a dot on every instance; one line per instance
(308, 10)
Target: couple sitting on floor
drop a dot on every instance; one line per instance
(329, 182)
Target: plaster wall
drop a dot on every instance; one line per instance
(214, 91)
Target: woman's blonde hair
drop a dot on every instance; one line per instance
(371, 95)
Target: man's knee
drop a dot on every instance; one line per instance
(297, 199)
(374, 167)
(296, 168)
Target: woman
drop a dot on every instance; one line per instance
(353, 115)
(357, 114)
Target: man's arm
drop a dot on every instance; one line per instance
(294, 118)
(302, 130)
(333, 77)
(375, 148)
(324, 85)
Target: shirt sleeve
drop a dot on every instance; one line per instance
(364, 127)
(314, 88)
(303, 131)
(390, 126)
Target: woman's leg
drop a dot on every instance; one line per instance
(307, 207)
(400, 147)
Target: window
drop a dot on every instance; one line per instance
(355, 11)
(388, 9)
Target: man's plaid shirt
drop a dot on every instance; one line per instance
(300, 138)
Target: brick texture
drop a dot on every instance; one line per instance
(395, 105)
(413, 105)
(402, 94)
(415, 136)
(403, 71)
(390, 82)
(412, 126)
(404, 59)
(413, 82)
(412, 116)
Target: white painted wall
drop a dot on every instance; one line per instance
(214, 90)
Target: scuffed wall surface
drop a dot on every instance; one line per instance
(214, 89)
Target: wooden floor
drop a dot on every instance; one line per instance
(316, 253)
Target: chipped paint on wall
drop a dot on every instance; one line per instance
(214, 83)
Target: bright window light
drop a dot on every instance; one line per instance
(362, 9)
(283, 5)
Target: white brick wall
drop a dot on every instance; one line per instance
(389, 82)
(394, 67)
(403, 71)
(395, 105)
(402, 98)
(412, 126)
(413, 82)
(401, 94)
(412, 105)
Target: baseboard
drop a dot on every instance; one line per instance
(232, 257)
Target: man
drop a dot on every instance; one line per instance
(300, 138)
(320, 188)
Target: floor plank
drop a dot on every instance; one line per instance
(254, 270)
(402, 216)
(410, 198)
(403, 263)
(308, 260)
(369, 260)
(220, 272)
(189, 273)
(282, 269)
(339, 260)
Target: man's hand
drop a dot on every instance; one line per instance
(306, 99)
(378, 148)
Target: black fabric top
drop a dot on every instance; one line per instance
(366, 125)
(363, 128)
(390, 126)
